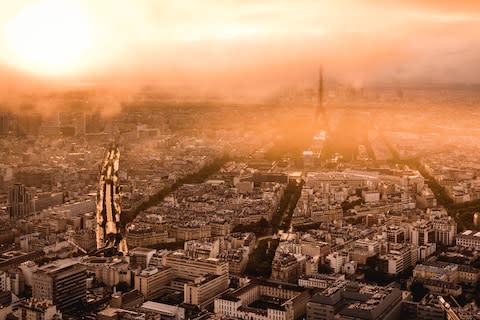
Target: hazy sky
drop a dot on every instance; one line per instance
(246, 44)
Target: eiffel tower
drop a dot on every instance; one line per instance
(320, 116)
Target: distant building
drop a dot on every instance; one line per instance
(370, 196)
(20, 204)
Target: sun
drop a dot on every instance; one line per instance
(48, 37)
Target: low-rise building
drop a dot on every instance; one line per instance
(319, 280)
(163, 311)
(469, 239)
(37, 309)
(351, 300)
(285, 268)
(260, 300)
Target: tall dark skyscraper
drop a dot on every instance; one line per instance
(20, 204)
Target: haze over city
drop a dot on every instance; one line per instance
(223, 46)
(227, 160)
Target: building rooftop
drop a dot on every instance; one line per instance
(58, 265)
(162, 308)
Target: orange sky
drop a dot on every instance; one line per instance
(245, 43)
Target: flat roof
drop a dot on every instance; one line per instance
(58, 265)
(160, 307)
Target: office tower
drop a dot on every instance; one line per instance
(20, 204)
(62, 282)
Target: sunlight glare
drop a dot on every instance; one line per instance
(49, 37)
